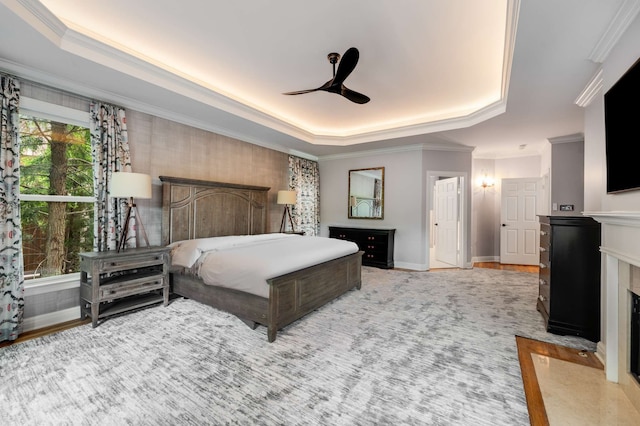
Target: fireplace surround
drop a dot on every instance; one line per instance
(620, 248)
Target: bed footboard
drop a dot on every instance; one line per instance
(291, 296)
(296, 294)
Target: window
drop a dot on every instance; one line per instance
(56, 188)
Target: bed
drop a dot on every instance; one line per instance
(198, 210)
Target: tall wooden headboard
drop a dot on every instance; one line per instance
(198, 209)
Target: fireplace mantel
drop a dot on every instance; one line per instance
(620, 245)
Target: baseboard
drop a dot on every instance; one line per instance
(52, 318)
(479, 259)
(601, 352)
(412, 266)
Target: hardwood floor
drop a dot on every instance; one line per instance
(44, 331)
(520, 268)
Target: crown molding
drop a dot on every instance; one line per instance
(399, 149)
(578, 137)
(624, 17)
(591, 90)
(131, 63)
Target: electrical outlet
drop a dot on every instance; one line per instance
(566, 207)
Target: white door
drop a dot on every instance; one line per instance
(446, 220)
(520, 229)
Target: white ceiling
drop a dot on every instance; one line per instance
(498, 75)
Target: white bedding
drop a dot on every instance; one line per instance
(245, 262)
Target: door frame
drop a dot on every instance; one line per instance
(539, 194)
(463, 236)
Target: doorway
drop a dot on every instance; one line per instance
(519, 225)
(446, 227)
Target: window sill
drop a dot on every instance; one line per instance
(51, 284)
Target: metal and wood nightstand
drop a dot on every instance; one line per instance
(115, 282)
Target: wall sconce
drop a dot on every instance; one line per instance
(486, 182)
(130, 185)
(286, 198)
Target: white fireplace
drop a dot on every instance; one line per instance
(620, 247)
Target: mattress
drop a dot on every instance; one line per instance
(246, 262)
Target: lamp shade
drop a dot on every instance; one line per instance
(286, 197)
(126, 185)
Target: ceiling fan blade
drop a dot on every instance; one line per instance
(354, 96)
(347, 63)
(300, 92)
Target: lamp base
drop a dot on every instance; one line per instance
(125, 228)
(283, 223)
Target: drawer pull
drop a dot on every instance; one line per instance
(542, 282)
(542, 298)
(542, 266)
(543, 232)
(542, 249)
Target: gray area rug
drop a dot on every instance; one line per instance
(435, 348)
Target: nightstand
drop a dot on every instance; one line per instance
(115, 282)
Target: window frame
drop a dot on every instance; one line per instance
(41, 109)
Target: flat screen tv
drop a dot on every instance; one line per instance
(622, 132)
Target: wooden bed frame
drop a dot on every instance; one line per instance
(199, 209)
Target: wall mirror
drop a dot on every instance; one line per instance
(366, 193)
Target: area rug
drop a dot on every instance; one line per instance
(433, 348)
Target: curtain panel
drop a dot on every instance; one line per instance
(110, 152)
(304, 178)
(11, 263)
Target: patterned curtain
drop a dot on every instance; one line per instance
(304, 178)
(110, 151)
(11, 266)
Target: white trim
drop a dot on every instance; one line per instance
(591, 90)
(618, 25)
(41, 109)
(577, 137)
(136, 65)
(51, 284)
(391, 150)
(53, 318)
(481, 259)
(411, 266)
(611, 318)
(57, 198)
(622, 218)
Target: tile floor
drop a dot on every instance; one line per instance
(575, 394)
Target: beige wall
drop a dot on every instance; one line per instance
(161, 147)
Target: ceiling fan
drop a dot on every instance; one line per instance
(335, 85)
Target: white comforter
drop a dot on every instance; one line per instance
(246, 262)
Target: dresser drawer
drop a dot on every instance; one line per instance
(544, 292)
(131, 287)
(131, 262)
(545, 236)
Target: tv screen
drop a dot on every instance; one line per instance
(622, 132)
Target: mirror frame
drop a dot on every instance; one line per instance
(353, 199)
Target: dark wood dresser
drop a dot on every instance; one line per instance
(377, 244)
(569, 279)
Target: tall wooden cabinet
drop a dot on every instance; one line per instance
(569, 278)
(377, 244)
